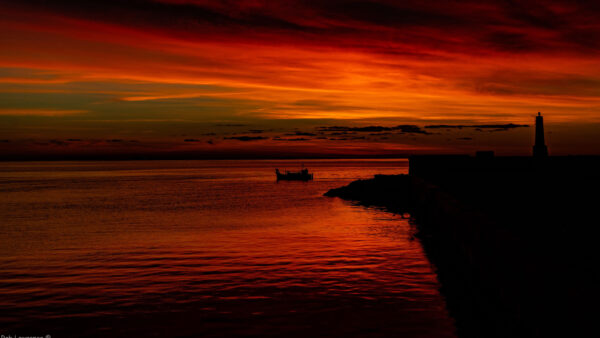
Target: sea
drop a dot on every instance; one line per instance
(208, 249)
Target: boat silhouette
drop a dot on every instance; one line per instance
(302, 175)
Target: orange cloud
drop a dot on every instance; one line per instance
(357, 62)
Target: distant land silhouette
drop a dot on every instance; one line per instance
(512, 238)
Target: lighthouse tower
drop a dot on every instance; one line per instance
(539, 149)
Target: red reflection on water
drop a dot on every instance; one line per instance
(221, 245)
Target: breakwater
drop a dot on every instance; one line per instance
(389, 191)
(505, 235)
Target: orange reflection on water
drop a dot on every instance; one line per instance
(219, 244)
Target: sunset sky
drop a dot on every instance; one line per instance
(254, 78)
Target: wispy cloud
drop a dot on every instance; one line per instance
(492, 127)
(407, 128)
(246, 138)
(148, 67)
(39, 112)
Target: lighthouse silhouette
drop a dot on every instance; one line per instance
(539, 148)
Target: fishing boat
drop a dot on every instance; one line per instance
(302, 175)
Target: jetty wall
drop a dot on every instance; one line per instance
(505, 236)
(473, 262)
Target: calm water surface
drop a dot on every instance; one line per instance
(207, 248)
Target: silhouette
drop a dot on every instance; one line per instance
(512, 238)
(539, 149)
(302, 175)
